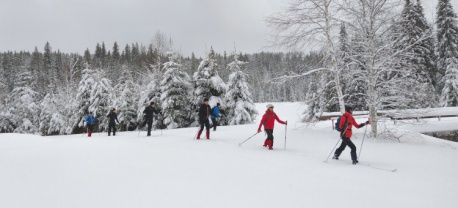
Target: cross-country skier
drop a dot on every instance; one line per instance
(113, 117)
(204, 113)
(268, 120)
(90, 121)
(148, 115)
(214, 115)
(346, 123)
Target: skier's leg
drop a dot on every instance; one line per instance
(270, 138)
(214, 124)
(150, 126)
(114, 129)
(353, 150)
(207, 127)
(341, 148)
(201, 129)
(109, 129)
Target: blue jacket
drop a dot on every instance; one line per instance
(216, 112)
(90, 119)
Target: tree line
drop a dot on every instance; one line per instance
(49, 92)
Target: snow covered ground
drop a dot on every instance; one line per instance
(173, 170)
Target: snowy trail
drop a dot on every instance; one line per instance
(172, 170)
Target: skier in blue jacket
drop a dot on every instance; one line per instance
(215, 113)
(90, 121)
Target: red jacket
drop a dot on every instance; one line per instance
(348, 118)
(269, 119)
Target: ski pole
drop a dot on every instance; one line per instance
(240, 144)
(284, 148)
(139, 130)
(362, 142)
(195, 136)
(83, 130)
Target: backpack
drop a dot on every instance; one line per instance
(336, 127)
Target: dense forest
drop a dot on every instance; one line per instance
(379, 55)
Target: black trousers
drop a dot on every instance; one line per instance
(270, 134)
(349, 143)
(215, 123)
(205, 123)
(150, 126)
(90, 127)
(111, 126)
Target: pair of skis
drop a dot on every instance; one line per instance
(374, 167)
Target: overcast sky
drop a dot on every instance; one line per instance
(194, 25)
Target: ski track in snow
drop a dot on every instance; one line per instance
(173, 170)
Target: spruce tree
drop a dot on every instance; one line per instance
(52, 121)
(101, 99)
(23, 105)
(175, 88)
(207, 82)
(125, 102)
(239, 102)
(83, 98)
(447, 50)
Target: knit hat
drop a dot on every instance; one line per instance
(90, 112)
(269, 106)
(206, 99)
(348, 108)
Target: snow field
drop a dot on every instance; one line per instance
(173, 170)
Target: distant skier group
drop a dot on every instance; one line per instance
(344, 125)
(205, 113)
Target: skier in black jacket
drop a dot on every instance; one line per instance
(113, 116)
(204, 113)
(148, 114)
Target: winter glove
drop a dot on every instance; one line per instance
(344, 126)
(367, 122)
(286, 122)
(361, 125)
(259, 130)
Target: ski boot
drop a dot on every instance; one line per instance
(355, 162)
(335, 157)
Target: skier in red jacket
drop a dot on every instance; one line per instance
(346, 123)
(268, 120)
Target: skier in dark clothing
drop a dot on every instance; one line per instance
(204, 113)
(214, 115)
(113, 117)
(148, 115)
(346, 123)
(90, 121)
(268, 120)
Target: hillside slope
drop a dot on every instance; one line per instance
(173, 170)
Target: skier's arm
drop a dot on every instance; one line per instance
(262, 121)
(357, 125)
(217, 113)
(278, 120)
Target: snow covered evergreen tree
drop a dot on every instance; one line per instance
(83, 98)
(149, 93)
(125, 102)
(447, 49)
(23, 107)
(239, 102)
(102, 99)
(51, 119)
(175, 88)
(206, 80)
(415, 40)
